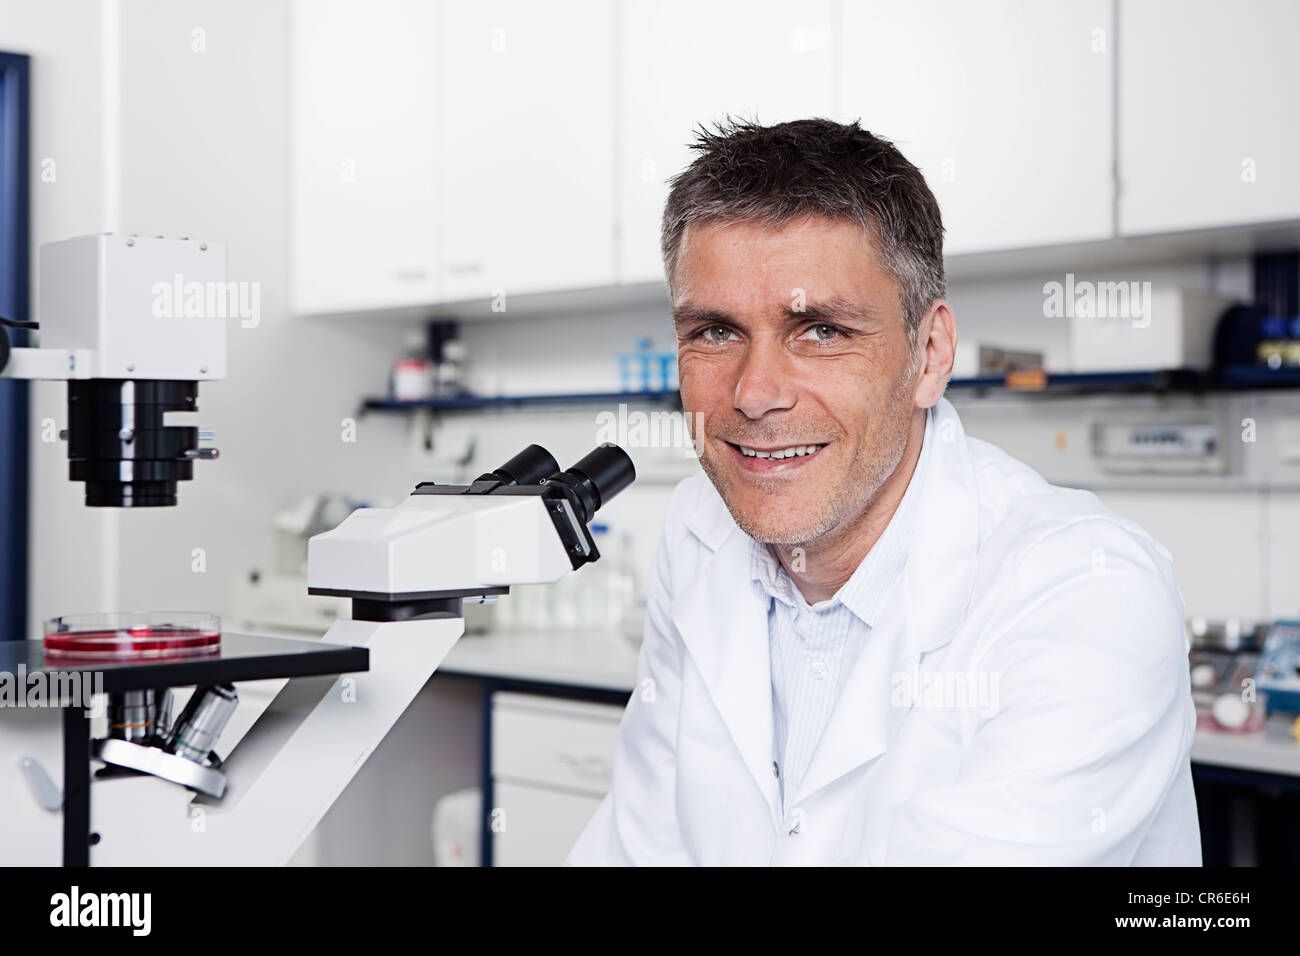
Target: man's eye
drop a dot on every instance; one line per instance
(715, 333)
(822, 332)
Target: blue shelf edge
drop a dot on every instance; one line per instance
(1229, 378)
(464, 402)
(1232, 378)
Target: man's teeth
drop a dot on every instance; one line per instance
(793, 451)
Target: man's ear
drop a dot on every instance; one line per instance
(936, 340)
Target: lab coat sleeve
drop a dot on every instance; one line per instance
(1093, 721)
(636, 824)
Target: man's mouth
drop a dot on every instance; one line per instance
(791, 451)
(774, 460)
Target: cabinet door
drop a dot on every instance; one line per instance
(1005, 105)
(1208, 114)
(535, 826)
(528, 163)
(685, 63)
(363, 160)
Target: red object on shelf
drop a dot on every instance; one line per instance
(131, 636)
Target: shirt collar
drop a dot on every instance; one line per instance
(867, 590)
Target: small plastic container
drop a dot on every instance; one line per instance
(132, 635)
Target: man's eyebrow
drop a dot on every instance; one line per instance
(829, 309)
(688, 314)
(835, 308)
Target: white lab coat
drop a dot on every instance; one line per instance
(1072, 610)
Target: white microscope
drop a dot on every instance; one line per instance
(308, 713)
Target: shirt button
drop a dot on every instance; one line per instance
(820, 670)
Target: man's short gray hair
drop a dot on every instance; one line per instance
(777, 175)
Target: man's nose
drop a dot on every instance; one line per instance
(766, 382)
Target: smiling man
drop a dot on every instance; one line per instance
(872, 639)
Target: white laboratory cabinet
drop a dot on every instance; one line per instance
(450, 150)
(683, 63)
(527, 164)
(364, 210)
(1005, 106)
(552, 762)
(1208, 131)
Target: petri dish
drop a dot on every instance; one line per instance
(132, 635)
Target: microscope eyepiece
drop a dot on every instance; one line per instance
(597, 477)
(528, 467)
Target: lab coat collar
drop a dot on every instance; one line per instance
(722, 619)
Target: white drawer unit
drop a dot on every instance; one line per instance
(551, 766)
(538, 827)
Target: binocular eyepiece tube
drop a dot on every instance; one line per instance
(590, 484)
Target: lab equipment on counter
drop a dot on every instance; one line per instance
(132, 324)
(1244, 672)
(412, 377)
(597, 602)
(1128, 326)
(275, 595)
(1266, 332)
(448, 355)
(1278, 669)
(1229, 634)
(432, 364)
(1223, 691)
(1134, 442)
(994, 360)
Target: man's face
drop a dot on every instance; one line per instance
(795, 366)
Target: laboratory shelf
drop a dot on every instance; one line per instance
(472, 402)
(1037, 380)
(1231, 378)
(1254, 376)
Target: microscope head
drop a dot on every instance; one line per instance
(524, 523)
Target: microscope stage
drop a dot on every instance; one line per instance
(241, 657)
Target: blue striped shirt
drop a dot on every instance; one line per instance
(813, 647)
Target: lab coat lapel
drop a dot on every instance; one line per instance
(723, 624)
(922, 615)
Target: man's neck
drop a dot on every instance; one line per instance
(830, 561)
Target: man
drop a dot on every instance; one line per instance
(872, 639)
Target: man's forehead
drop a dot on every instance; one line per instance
(819, 260)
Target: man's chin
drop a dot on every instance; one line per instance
(770, 512)
(788, 528)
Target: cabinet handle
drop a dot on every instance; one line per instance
(464, 268)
